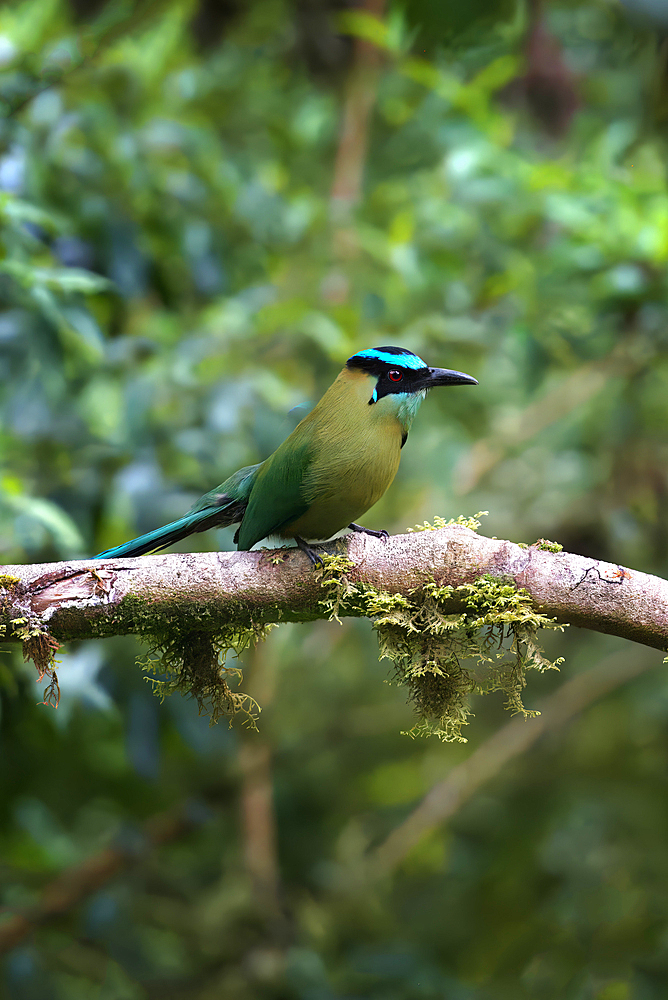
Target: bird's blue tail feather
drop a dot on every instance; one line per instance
(153, 541)
(216, 509)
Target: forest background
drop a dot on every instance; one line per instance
(206, 208)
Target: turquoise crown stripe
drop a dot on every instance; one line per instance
(398, 360)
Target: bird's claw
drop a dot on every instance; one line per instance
(369, 531)
(316, 560)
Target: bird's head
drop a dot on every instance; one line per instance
(402, 379)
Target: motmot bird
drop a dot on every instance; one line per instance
(335, 465)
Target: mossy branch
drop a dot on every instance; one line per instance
(454, 610)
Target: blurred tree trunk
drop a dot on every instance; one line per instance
(257, 792)
(360, 98)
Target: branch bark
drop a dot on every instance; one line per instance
(95, 598)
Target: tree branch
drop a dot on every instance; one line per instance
(94, 598)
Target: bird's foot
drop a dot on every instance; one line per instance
(305, 547)
(369, 531)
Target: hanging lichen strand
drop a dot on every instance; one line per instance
(441, 657)
(188, 654)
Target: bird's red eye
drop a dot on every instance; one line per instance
(395, 376)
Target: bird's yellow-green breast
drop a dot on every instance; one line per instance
(355, 457)
(335, 465)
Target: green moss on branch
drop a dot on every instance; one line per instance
(188, 652)
(442, 656)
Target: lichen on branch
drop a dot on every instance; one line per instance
(462, 520)
(37, 642)
(188, 653)
(441, 657)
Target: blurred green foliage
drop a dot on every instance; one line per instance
(174, 280)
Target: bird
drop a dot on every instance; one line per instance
(338, 461)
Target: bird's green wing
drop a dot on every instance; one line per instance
(237, 488)
(276, 494)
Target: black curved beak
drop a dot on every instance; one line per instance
(445, 376)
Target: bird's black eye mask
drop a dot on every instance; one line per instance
(396, 371)
(395, 381)
(400, 371)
